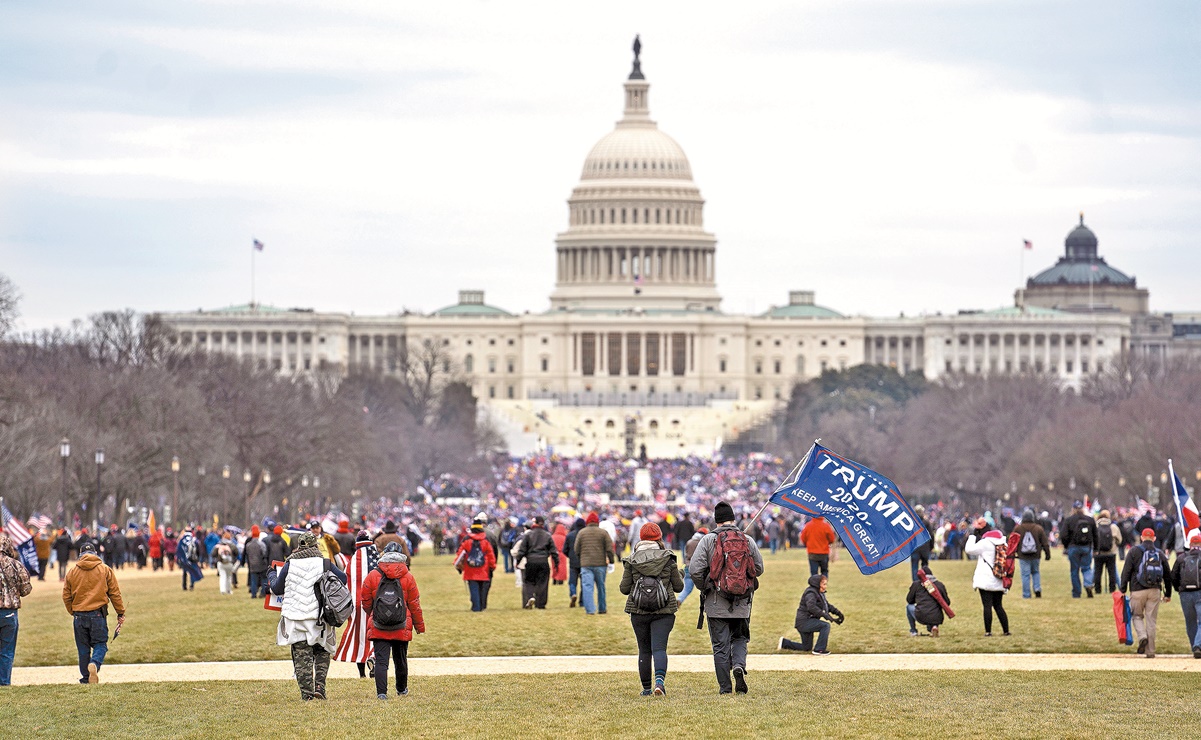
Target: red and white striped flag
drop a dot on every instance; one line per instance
(22, 540)
(354, 647)
(258, 245)
(1145, 509)
(1028, 244)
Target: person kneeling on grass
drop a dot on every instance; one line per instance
(390, 598)
(922, 606)
(651, 580)
(810, 614)
(299, 618)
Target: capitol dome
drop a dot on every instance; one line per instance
(635, 238)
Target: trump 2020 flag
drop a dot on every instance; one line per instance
(22, 541)
(1190, 520)
(864, 507)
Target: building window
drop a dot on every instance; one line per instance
(777, 365)
(510, 363)
(800, 365)
(469, 363)
(721, 365)
(588, 353)
(1084, 366)
(614, 358)
(491, 364)
(679, 353)
(545, 364)
(758, 366)
(634, 353)
(509, 392)
(652, 354)
(491, 391)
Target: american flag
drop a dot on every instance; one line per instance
(40, 521)
(354, 647)
(1145, 508)
(258, 245)
(1028, 244)
(22, 540)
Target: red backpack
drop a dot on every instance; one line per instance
(732, 567)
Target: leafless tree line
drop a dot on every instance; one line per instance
(119, 382)
(1022, 440)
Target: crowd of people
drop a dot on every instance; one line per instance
(550, 521)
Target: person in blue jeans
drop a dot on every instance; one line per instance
(1186, 579)
(1078, 535)
(689, 549)
(14, 583)
(90, 587)
(595, 549)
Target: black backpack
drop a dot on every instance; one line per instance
(1150, 568)
(649, 594)
(1104, 537)
(475, 556)
(1190, 571)
(1081, 535)
(388, 612)
(1029, 544)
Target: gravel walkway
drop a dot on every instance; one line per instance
(271, 670)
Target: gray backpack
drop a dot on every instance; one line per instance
(334, 598)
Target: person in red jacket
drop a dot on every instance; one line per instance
(382, 583)
(156, 550)
(475, 548)
(817, 536)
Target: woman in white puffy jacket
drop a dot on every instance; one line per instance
(983, 547)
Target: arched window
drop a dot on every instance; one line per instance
(468, 363)
(800, 364)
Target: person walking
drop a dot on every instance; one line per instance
(355, 646)
(14, 583)
(390, 535)
(299, 627)
(170, 548)
(1105, 554)
(43, 543)
(922, 608)
(1146, 576)
(508, 538)
(187, 555)
(727, 599)
(650, 581)
(1186, 579)
(278, 548)
(63, 544)
(1078, 535)
(225, 555)
(594, 546)
(573, 561)
(684, 530)
(814, 615)
(1032, 542)
(345, 538)
(920, 557)
(156, 550)
(992, 590)
(689, 551)
(325, 542)
(254, 557)
(476, 560)
(559, 576)
(539, 552)
(393, 605)
(817, 536)
(88, 590)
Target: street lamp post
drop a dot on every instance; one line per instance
(200, 471)
(64, 451)
(175, 499)
(266, 477)
(249, 491)
(225, 494)
(96, 501)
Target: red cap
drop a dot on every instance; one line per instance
(1148, 534)
(1195, 540)
(593, 518)
(255, 531)
(278, 529)
(650, 531)
(343, 527)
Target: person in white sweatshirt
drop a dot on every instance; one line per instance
(982, 545)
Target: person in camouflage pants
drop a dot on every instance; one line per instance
(311, 663)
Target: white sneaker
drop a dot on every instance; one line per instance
(781, 645)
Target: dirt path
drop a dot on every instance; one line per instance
(268, 670)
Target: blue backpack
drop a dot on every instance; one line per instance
(1150, 568)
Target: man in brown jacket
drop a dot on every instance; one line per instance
(89, 588)
(389, 535)
(595, 550)
(1032, 541)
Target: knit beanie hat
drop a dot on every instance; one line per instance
(593, 518)
(343, 527)
(254, 531)
(477, 526)
(723, 512)
(650, 531)
(306, 540)
(278, 529)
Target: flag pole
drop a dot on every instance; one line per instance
(799, 466)
(252, 251)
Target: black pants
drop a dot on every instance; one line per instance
(1107, 563)
(652, 631)
(534, 584)
(42, 568)
(992, 600)
(399, 650)
(62, 568)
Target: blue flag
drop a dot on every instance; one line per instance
(865, 508)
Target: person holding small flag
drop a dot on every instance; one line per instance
(14, 583)
(90, 587)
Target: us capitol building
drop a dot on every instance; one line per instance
(635, 344)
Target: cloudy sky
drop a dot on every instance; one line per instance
(890, 155)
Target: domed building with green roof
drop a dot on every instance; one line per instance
(1082, 281)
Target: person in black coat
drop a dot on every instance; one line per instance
(922, 607)
(814, 616)
(62, 550)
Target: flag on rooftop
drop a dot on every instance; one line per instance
(1028, 244)
(22, 540)
(258, 245)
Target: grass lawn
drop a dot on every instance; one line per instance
(168, 625)
(898, 704)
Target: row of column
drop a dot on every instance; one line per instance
(255, 348)
(628, 264)
(603, 342)
(375, 352)
(1013, 352)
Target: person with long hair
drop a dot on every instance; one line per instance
(650, 580)
(982, 545)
